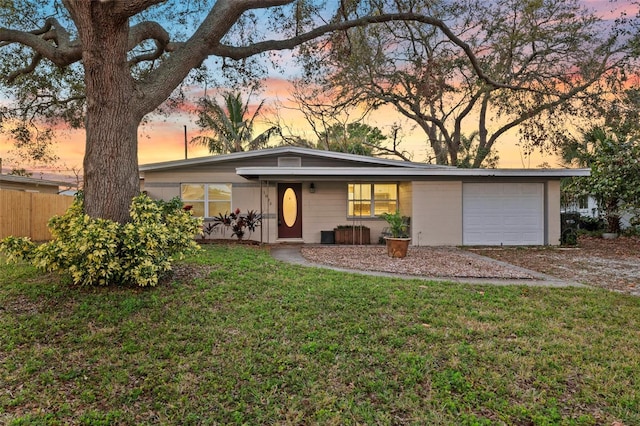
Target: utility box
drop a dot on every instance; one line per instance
(569, 228)
(327, 237)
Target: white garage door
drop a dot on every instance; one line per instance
(503, 213)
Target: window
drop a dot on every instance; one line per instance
(207, 199)
(372, 199)
(583, 202)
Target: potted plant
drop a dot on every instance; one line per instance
(398, 242)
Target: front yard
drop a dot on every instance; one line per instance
(239, 338)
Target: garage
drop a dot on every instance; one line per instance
(503, 214)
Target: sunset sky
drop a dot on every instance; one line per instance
(163, 139)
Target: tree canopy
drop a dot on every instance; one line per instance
(613, 155)
(543, 64)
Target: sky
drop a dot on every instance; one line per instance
(164, 138)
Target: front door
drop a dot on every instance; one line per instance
(289, 210)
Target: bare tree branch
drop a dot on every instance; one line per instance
(26, 70)
(63, 51)
(149, 30)
(242, 52)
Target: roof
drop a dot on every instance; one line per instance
(286, 150)
(400, 173)
(33, 181)
(369, 167)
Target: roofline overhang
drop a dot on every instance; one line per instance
(34, 181)
(336, 173)
(286, 150)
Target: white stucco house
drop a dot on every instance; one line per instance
(301, 192)
(587, 206)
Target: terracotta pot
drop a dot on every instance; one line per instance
(397, 247)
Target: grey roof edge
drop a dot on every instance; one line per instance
(34, 181)
(286, 150)
(403, 172)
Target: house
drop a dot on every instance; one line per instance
(29, 184)
(587, 206)
(302, 192)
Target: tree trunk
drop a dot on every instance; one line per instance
(111, 159)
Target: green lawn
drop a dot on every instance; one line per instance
(249, 340)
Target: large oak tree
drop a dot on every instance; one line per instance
(107, 64)
(550, 63)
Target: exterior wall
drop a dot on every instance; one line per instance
(435, 206)
(326, 209)
(436, 218)
(321, 211)
(552, 212)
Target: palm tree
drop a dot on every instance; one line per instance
(231, 131)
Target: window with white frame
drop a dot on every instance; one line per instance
(207, 199)
(372, 199)
(583, 202)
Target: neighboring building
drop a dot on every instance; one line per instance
(302, 192)
(23, 183)
(587, 206)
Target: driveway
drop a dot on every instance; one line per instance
(610, 264)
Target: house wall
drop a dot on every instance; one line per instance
(321, 211)
(436, 217)
(552, 212)
(435, 206)
(327, 208)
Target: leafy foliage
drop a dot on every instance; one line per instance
(354, 138)
(103, 252)
(614, 159)
(232, 130)
(239, 223)
(397, 224)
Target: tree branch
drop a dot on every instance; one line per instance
(126, 9)
(35, 60)
(62, 52)
(150, 30)
(242, 52)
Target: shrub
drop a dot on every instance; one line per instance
(239, 223)
(591, 223)
(103, 252)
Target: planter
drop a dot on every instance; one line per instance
(609, 235)
(397, 247)
(357, 235)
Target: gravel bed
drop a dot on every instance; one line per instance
(424, 261)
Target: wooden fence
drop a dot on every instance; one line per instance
(25, 214)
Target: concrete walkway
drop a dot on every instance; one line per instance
(291, 254)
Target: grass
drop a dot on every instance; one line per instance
(250, 340)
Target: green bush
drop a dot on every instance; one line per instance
(103, 252)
